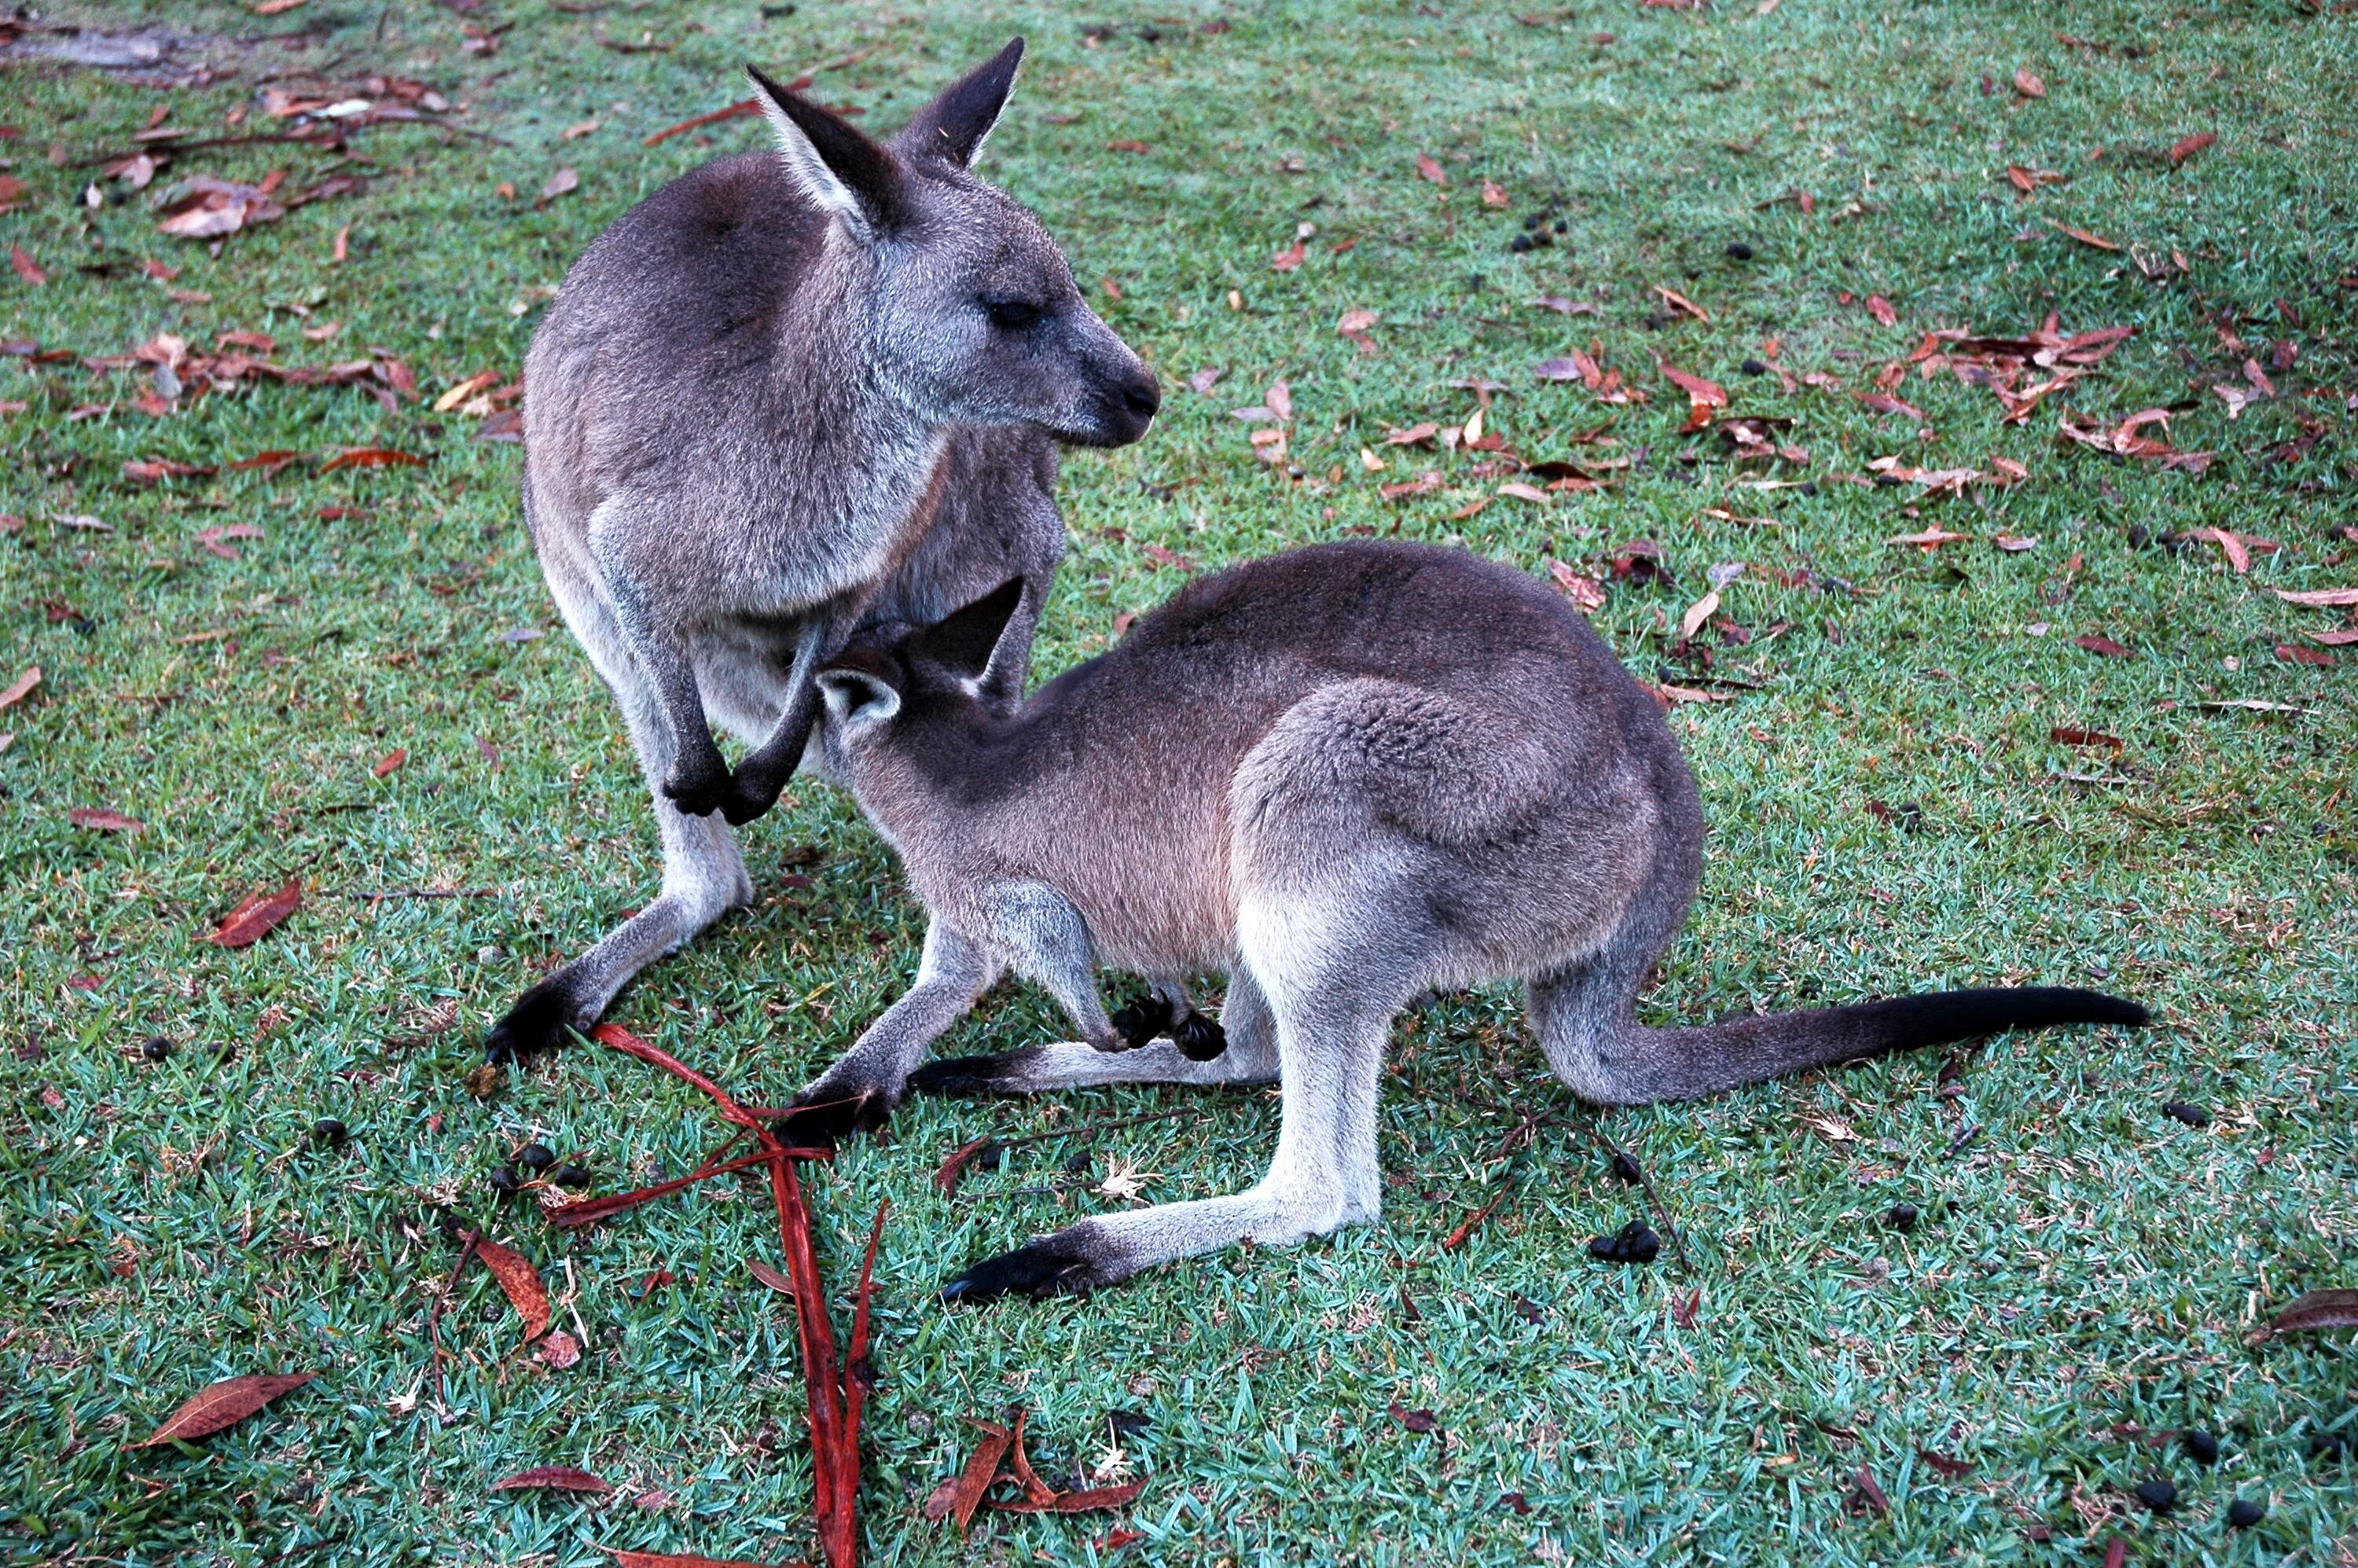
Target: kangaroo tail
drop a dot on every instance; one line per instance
(1680, 1063)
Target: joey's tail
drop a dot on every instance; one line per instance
(1631, 1065)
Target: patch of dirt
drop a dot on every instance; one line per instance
(142, 57)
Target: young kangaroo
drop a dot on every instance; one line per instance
(791, 397)
(1345, 775)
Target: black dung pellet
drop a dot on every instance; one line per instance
(2158, 1494)
(2192, 1115)
(2243, 1513)
(1739, 251)
(1519, 243)
(1633, 1243)
(157, 1048)
(571, 1176)
(535, 1157)
(1755, 367)
(1900, 1216)
(2202, 1447)
(1626, 1169)
(504, 1180)
(328, 1131)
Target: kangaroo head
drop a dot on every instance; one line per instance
(914, 701)
(964, 307)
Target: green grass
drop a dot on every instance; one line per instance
(2083, 1262)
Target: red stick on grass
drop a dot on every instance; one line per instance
(836, 1389)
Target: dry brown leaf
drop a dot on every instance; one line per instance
(2316, 598)
(20, 688)
(100, 819)
(224, 1404)
(2026, 82)
(2318, 1309)
(552, 1478)
(2082, 235)
(251, 921)
(1700, 611)
(1586, 593)
(522, 1283)
(1429, 167)
(2187, 146)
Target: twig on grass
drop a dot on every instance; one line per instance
(1662, 1209)
(434, 1312)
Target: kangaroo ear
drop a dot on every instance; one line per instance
(841, 170)
(954, 126)
(962, 641)
(852, 694)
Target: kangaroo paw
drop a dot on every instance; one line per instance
(822, 1118)
(1200, 1039)
(699, 789)
(536, 1022)
(1065, 1263)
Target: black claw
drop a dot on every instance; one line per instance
(742, 803)
(1053, 1265)
(700, 791)
(824, 1120)
(1200, 1039)
(960, 1075)
(535, 1024)
(1143, 1017)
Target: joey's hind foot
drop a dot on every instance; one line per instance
(536, 1022)
(1066, 1262)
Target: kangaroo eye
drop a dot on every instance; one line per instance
(1011, 314)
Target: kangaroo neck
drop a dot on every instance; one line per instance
(852, 441)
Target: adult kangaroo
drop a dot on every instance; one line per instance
(1345, 775)
(790, 398)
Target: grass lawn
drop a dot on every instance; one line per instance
(1895, 800)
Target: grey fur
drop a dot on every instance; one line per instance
(777, 405)
(1346, 775)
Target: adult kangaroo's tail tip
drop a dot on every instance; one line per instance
(1961, 1014)
(2069, 1004)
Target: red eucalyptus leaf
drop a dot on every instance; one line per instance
(250, 921)
(958, 1497)
(2318, 1309)
(954, 1164)
(370, 458)
(522, 1283)
(224, 1404)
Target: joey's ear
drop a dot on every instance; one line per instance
(851, 694)
(954, 126)
(839, 168)
(962, 641)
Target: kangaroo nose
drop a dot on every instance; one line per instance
(1142, 397)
